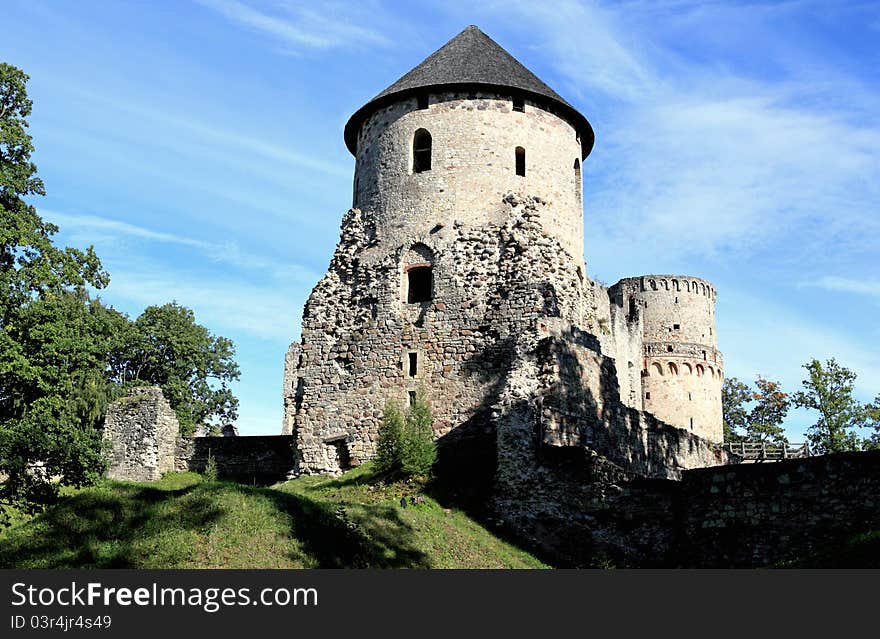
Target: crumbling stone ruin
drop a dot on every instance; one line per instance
(143, 436)
(460, 270)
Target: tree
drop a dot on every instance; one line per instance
(872, 420)
(52, 338)
(753, 415)
(166, 347)
(418, 451)
(387, 458)
(734, 395)
(406, 444)
(828, 389)
(765, 418)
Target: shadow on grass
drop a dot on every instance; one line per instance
(376, 538)
(109, 526)
(121, 525)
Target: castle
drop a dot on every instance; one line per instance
(460, 271)
(585, 420)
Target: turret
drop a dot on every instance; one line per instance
(682, 368)
(453, 136)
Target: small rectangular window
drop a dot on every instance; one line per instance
(520, 161)
(423, 102)
(648, 395)
(413, 364)
(412, 397)
(519, 104)
(419, 285)
(676, 326)
(692, 423)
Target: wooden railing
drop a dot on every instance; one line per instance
(767, 451)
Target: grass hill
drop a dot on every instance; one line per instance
(185, 521)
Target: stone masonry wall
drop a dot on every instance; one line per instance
(474, 138)
(142, 429)
(489, 284)
(767, 514)
(263, 459)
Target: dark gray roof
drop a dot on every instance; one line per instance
(471, 60)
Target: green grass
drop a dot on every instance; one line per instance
(184, 521)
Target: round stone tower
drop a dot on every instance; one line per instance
(448, 140)
(682, 369)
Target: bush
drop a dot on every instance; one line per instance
(406, 444)
(388, 445)
(210, 472)
(418, 452)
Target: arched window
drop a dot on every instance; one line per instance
(421, 151)
(673, 369)
(520, 161)
(700, 370)
(656, 369)
(577, 179)
(686, 369)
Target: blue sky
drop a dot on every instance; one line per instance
(198, 146)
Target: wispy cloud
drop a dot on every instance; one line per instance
(299, 27)
(92, 227)
(697, 158)
(870, 288)
(227, 305)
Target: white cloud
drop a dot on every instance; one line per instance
(870, 288)
(270, 312)
(99, 230)
(301, 28)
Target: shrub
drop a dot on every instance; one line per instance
(210, 472)
(388, 445)
(418, 452)
(406, 444)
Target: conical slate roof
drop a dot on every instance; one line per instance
(471, 60)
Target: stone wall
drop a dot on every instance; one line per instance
(142, 429)
(766, 514)
(145, 442)
(586, 511)
(474, 138)
(261, 459)
(490, 284)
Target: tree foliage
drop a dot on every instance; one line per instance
(754, 415)
(734, 395)
(828, 389)
(166, 347)
(418, 451)
(405, 443)
(53, 340)
(64, 355)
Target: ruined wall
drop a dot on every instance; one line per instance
(489, 284)
(767, 514)
(263, 459)
(142, 429)
(474, 138)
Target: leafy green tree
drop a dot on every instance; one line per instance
(770, 409)
(418, 451)
(734, 395)
(387, 458)
(166, 347)
(872, 420)
(828, 389)
(753, 415)
(52, 339)
(405, 443)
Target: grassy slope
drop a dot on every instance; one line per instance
(183, 521)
